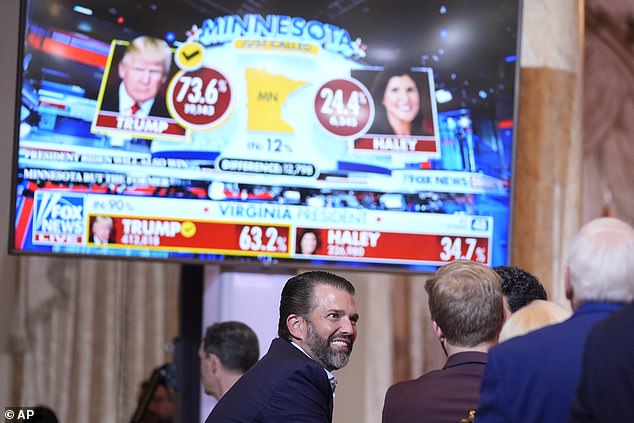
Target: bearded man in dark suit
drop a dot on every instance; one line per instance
(293, 382)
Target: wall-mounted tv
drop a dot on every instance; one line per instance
(359, 133)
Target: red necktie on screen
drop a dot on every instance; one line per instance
(135, 108)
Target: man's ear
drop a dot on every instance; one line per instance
(507, 308)
(437, 331)
(214, 362)
(570, 289)
(296, 326)
(121, 69)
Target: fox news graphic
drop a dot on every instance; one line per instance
(58, 218)
(371, 134)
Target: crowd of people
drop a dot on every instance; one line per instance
(512, 355)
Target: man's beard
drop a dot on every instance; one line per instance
(324, 353)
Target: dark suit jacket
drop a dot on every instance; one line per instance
(285, 386)
(110, 102)
(606, 390)
(532, 378)
(445, 395)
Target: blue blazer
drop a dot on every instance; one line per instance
(284, 386)
(606, 390)
(532, 378)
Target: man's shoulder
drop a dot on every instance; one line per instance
(159, 107)
(444, 394)
(622, 318)
(419, 385)
(282, 348)
(408, 385)
(613, 326)
(283, 358)
(284, 375)
(406, 398)
(531, 341)
(562, 338)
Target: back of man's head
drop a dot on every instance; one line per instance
(298, 294)
(519, 287)
(234, 343)
(600, 262)
(465, 301)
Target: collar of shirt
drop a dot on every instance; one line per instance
(126, 102)
(466, 357)
(331, 378)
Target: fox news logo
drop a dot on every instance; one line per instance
(58, 218)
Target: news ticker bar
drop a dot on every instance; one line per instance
(258, 239)
(40, 160)
(61, 218)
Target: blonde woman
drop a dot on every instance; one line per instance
(535, 315)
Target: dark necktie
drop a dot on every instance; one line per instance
(135, 108)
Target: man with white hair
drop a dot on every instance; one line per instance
(533, 378)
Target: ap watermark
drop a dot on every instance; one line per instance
(18, 414)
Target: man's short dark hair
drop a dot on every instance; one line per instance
(298, 294)
(520, 287)
(234, 343)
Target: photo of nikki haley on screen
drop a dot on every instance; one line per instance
(402, 100)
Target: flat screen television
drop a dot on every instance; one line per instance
(363, 134)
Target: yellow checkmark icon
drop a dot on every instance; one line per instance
(188, 229)
(189, 56)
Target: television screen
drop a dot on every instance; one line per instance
(354, 133)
